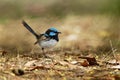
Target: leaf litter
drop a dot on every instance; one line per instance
(60, 66)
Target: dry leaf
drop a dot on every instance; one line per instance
(18, 72)
(30, 63)
(3, 52)
(74, 62)
(85, 63)
(113, 62)
(63, 63)
(116, 67)
(91, 60)
(36, 67)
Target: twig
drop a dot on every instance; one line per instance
(113, 50)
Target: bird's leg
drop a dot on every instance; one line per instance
(44, 52)
(44, 55)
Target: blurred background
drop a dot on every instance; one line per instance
(85, 24)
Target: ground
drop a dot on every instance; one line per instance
(61, 65)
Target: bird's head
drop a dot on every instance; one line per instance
(51, 32)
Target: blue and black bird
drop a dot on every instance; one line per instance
(46, 40)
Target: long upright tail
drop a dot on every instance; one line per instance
(30, 29)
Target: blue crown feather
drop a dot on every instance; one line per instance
(53, 29)
(52, 34)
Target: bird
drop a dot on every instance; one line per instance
(48, 39)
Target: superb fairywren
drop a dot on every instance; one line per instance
(46, 40)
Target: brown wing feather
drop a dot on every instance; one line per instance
(42, 37)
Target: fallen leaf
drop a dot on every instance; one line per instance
(85, 63)
(30, 63)
(63, 63)
(113, 62)
(116, 67)
(74, 62)
(18, 72)
(36, 67)
(69, 65)
(91, 60)
(3, 52)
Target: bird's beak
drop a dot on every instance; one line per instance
(59, 32)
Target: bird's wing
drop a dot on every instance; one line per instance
(30, 29)
(41, 38)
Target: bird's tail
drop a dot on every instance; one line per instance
(30, 29)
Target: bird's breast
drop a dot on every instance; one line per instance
(47, 43)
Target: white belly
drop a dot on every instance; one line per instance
(48, 44)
